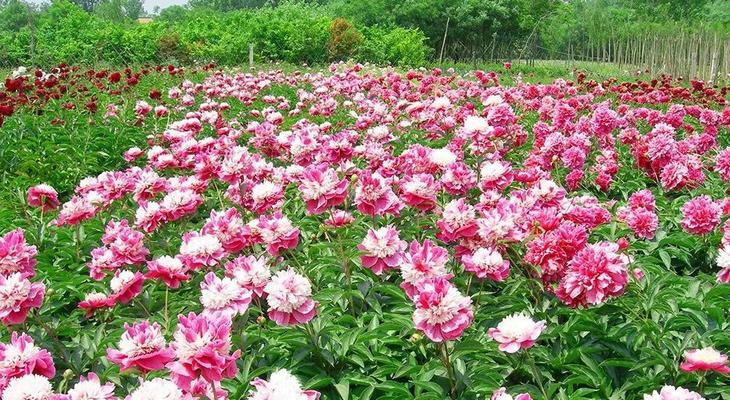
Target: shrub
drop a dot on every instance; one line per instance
(397, 46)
(344, 39)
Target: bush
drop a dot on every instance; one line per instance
(397, 46)
(344, 39)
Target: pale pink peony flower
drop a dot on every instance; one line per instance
(321, 188)
(90, 388)
(700, 215)
(290, 298)
(673, 393)
(17, 296)
(43, 196)
(28, 387)
(501, 394)
(158, 389)
(149, 216)
(705, 359)
(515, 332)
(595, 273)
(382, 249)
(487, 263)
(16, 255)
(22, 357)
(143, 347)
(442, 313)
(170, 270)
(125, 286)
(422, 262)
(282, 385)
(202, 345)
(200, 251)
(250, 272)
(223, 295)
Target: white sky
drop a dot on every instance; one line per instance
(149, 5)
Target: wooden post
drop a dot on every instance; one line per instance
(443, 42)
(250, 55)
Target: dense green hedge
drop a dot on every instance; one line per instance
(293, 33)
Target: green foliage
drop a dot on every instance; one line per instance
(292, 32)
(396, 46)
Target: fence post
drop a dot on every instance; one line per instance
(443, 43)
(250, 55)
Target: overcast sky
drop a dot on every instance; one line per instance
(149, 5)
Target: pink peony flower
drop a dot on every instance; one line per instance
(495, 175)
(501, 394)
(382, 249)
(16, 255)
(700, 215)
(17, 296)
(487, 263)
(266, 195)
(94, 301)
(250, 272)
(227, 227)
(76, 210)
(672, 393)
(143, 347)
(170, 270)
(442, 313)
(420, 263)
(281, 385)
(126, 285)
(419, 191)
(595, 273)
(515, 332)
(458, 220)
(90, 388)
(199, 251)
(290, 298)
(22, 357)
(374, 195)
(202, 344)
(277, 232)
(223, 295)
(339, 218)
(706, 359)
(43, 196)
(178, 203)
(321, 188)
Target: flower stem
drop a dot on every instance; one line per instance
(446, 361)
(538, 376)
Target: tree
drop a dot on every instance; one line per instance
(133, 8)
(87, 5)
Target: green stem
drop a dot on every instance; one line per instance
(446, 361)
(538, 376)
(63, 351)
